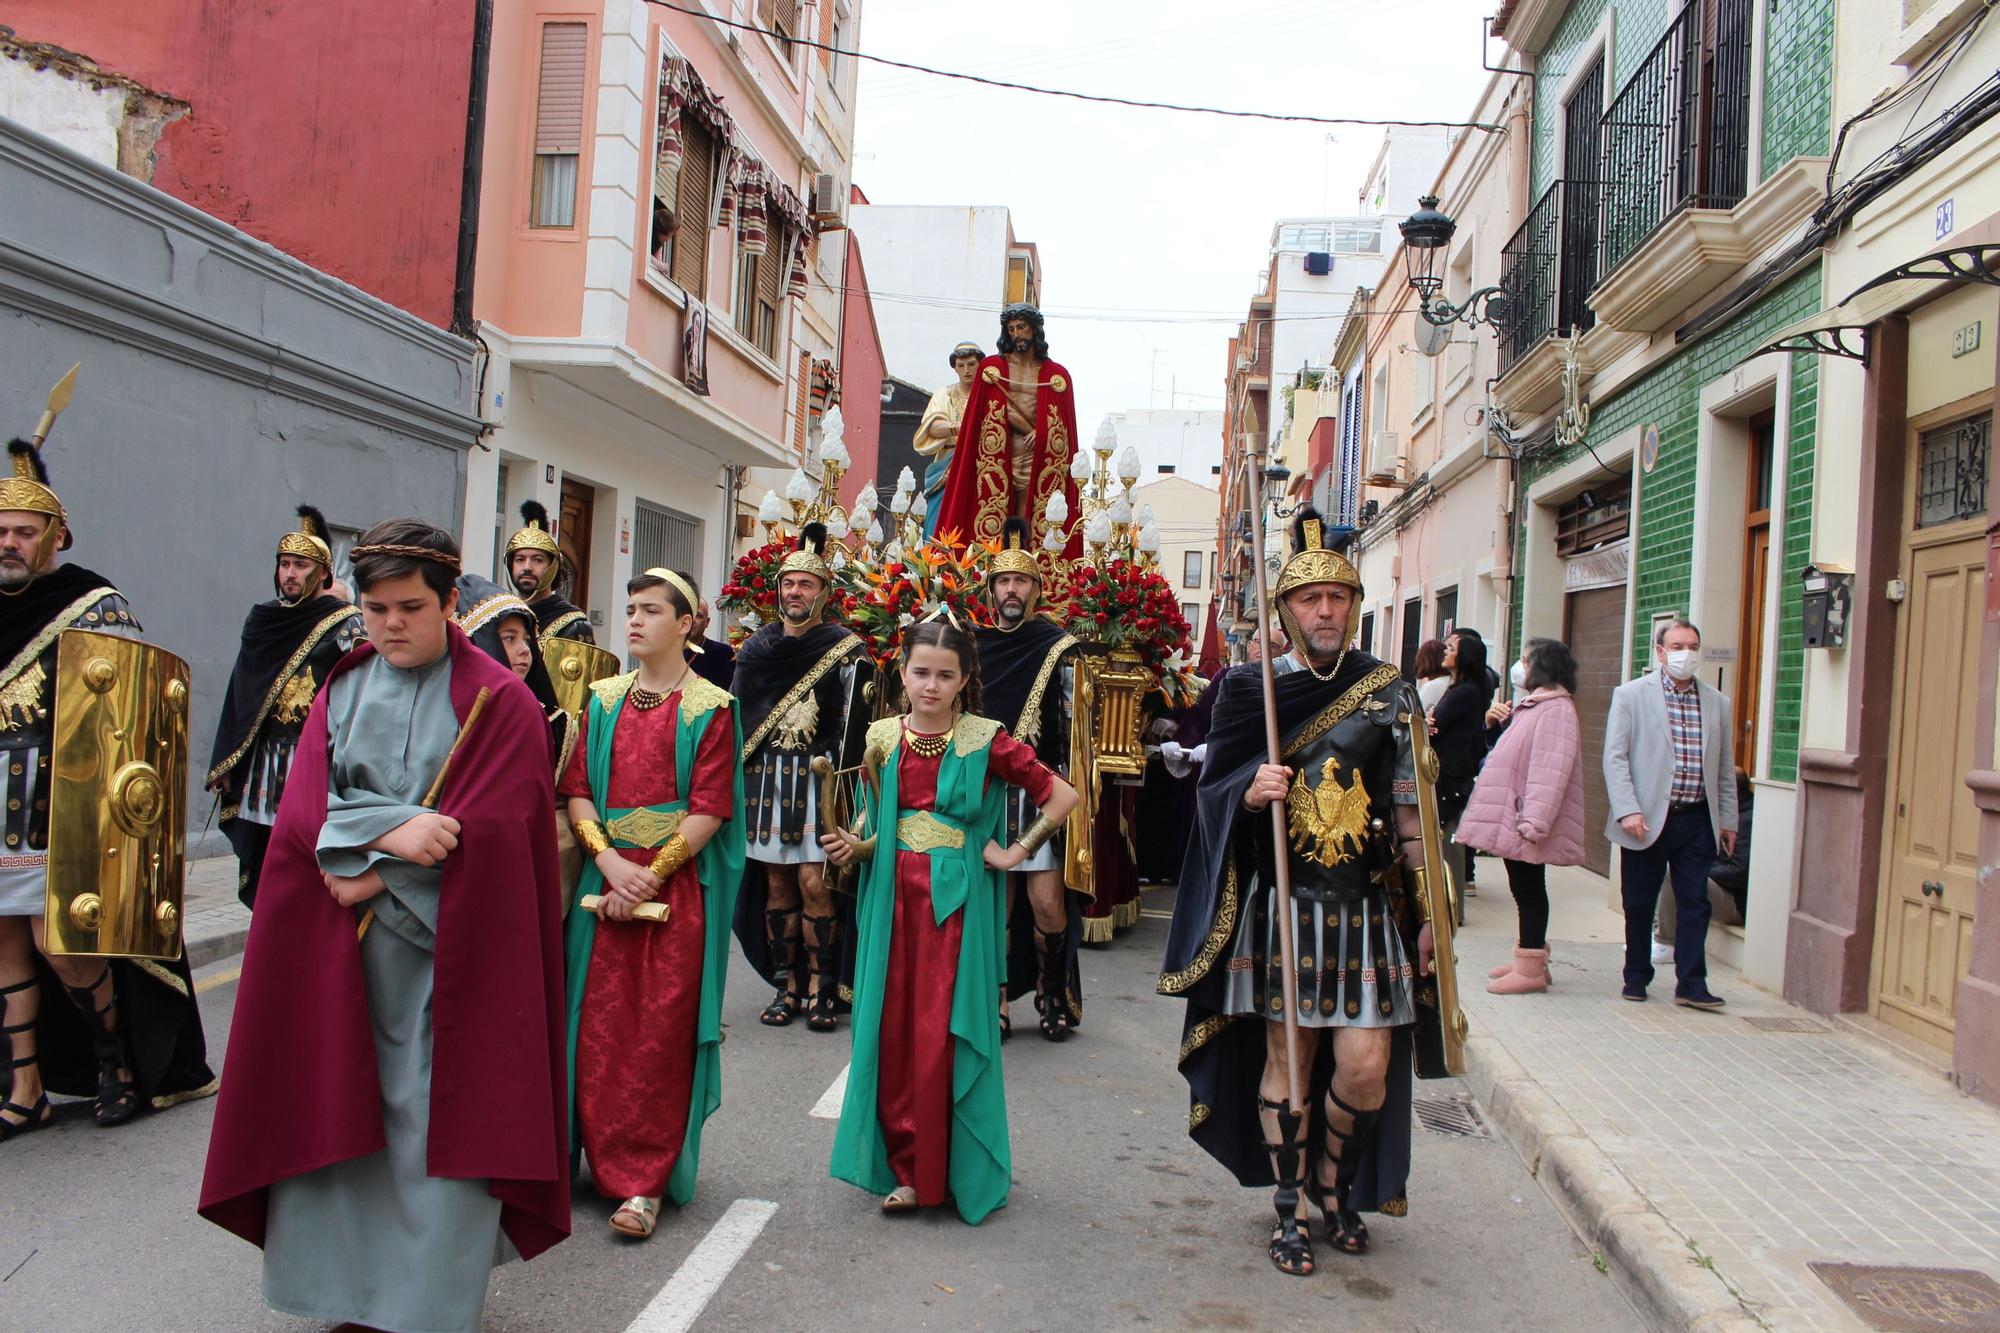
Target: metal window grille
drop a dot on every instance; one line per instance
(666, 538)
(1951, 471)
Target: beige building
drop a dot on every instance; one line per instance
(1186, 515)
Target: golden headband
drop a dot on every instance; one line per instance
(681, 585)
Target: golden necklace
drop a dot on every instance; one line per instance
(1315, 670)
(928, 747)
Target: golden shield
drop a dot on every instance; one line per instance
(117, 798)
(573, 667)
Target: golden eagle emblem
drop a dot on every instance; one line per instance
(1329, 823)
(296, 699)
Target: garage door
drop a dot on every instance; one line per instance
(1594, 628)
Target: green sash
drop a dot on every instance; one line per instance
(719, 867)
(981, 1164)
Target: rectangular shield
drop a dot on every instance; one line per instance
(1439, 1043)
(573, 667)
(117, 798)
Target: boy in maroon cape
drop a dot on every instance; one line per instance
(392, 1116)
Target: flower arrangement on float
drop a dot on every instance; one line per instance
(938, 575)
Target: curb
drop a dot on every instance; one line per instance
(214, 948)
(1651, 1261)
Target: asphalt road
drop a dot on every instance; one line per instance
(1116, 1220)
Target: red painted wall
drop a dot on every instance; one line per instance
(334, 132)
(861, 371)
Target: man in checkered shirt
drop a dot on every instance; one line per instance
(1670, 772)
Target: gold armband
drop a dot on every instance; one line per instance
(1420, 892)
(673, 854)
(1037, 834)
(590, 835)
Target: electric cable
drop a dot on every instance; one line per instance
(1139, 103)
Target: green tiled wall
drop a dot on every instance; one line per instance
(1663, 540)
(1798, 80)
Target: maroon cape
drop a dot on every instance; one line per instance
(300, 1089)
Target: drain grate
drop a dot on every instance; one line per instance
(1916, 1300)
(1771, 1023)
(1451, 1115)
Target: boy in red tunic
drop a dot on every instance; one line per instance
(650, 791)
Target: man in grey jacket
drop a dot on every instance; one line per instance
(1671, 777)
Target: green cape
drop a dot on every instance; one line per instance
(981, 1165)
(719, 866)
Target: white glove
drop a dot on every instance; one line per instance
(1164, 726)
(1180, 761)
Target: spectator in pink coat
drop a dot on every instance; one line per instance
(1527, 807)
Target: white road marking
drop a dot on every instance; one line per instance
(701, 1274)
(828, 1105)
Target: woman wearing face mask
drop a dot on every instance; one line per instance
(925, 1116)
(1527, 807)
(1458, 735)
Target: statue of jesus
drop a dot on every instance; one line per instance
(1015, 440)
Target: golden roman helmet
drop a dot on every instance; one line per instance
(1014, 557)
(535, 534)
(27, 488)
(309, 541)
(1312, 561)
(810, 558)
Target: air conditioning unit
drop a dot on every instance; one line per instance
(826, 200)
(1319, 263)
(1384, 467)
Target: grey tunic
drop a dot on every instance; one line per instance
(377, 1240)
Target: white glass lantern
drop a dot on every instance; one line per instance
(1128, 465)
(772, 510)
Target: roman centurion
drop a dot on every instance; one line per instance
(534, 562)
(289, 644)
(95, 996)
(800, 683)
(1015, 440)
(1362, 857)
(1027, 667)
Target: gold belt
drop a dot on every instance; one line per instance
(645, 828)
(922, 831)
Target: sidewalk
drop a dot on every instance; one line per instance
(1709, 1158)
(215, 924)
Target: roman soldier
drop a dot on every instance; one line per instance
(289, 644)
(1361, 861)
(503, 626)
(1027, 667)
(534, 563)
(124, 1030)
(799, 683)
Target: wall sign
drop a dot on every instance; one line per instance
(1945, 213)
(1649, 446)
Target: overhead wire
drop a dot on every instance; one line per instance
(1074, 95)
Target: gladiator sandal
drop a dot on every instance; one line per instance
(825, 954)
(1345, 1230)
(41, 1114)
(1291, 1240)
(1052, 987)
(782, 925)
(117, 1090)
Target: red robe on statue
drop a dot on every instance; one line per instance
(980, 491)
(643, 994)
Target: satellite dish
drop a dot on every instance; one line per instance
(1430, 338)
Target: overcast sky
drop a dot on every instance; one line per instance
(1148, 221)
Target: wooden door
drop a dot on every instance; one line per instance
(1925, 913)
(573, 536)
(1756, 574)
(1594, 629)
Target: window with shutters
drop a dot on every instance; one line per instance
(682, 208)
(759, 292)
(558, 125)
(782, 18)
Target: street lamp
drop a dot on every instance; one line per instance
(1277, 478)
(1427, 234)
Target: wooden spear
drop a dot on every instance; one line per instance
(1281, 905)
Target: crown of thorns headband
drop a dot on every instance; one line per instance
(408, 552)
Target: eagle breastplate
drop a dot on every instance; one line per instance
(1338, 815)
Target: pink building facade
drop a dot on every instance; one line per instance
(655, 291)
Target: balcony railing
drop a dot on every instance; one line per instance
(1549, 270)
(1678, 134)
